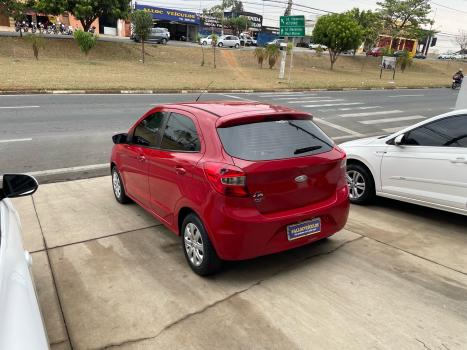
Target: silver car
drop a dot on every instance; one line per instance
(229, 41)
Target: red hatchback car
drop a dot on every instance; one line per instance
(235, 180)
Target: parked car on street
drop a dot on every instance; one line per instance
(376, 52)
(278, 42)
(228, 41)
(157, 35)
(420, 56)
(207, 40)
(312, 46)
(245, 39)
(424, 164)
(400, 53)
(235, 180)
(446, 56)
(21, 324)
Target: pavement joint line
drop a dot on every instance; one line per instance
(410, 253)
(101, 237)
(222, 300)
(52, 273)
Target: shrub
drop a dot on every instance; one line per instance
(260, 54)
(37, 42)
(86, 41)
(404, 61)
(272, 52)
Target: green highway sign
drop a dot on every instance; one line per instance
(292, 26)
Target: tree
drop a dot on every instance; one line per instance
(372, 26)
(37, 43)
(404, 17)
(260, 54)
(87, 11)
(239, 24)
(339, 32)
(272, 53)
(214, 39)
(142, 24)
(461, 40)
(218, 11)
(16, 9)
(86, 41)
(198, 40)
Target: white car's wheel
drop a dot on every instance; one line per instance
(361, 184)
(220, 44)
(204, 43)
(237, 46)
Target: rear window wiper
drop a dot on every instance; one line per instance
(306, 149)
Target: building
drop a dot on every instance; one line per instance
(398, 43)
(182, 25)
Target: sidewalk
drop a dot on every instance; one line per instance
(390, 280)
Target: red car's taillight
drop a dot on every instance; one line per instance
(226, 179)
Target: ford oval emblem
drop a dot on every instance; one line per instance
(301, 178)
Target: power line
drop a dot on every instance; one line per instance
(447, 7)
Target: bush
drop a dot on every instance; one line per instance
(37, 42)
(86, 41)
(260, 54)
(272, 52)
(404, 61)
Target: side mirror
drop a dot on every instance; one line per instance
(399, 140)
(120, 138)
(18, 185)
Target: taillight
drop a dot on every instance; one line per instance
(226, 179)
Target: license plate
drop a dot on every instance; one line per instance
(303, 229)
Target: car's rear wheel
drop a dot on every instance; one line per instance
(118, 188)
(237, 46)
(361, 184)
(197, 247)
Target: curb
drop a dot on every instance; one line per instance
(194, 91)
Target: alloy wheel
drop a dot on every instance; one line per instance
(356, 184)
(117, 186)
(193, 242)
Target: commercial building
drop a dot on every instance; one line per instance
(182, 25)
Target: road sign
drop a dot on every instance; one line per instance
(293, 26)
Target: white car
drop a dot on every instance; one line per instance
(229, 41)
(21, 325)
(316, 46)
(446, 56)
(207, 40)
(424, 164)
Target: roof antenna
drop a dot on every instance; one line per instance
(204, 91)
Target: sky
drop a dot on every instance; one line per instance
(450, 15)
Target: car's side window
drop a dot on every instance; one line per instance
(148, 132)
(447, 132)
(180, 134)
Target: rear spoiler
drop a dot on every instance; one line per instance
(232, 120)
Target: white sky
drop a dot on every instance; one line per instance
(447, 21)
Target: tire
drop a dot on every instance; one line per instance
(197, 247)
(204, 43)
(237, 46)
(220, 44)
(164, 41)
(118, 188)
(361, 184)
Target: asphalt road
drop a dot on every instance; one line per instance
(61, 137)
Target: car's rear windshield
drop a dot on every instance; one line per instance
(276, 139)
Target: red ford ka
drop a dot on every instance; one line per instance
(235, 180)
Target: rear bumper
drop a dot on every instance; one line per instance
(239, 233)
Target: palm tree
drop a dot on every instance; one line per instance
(272, 53)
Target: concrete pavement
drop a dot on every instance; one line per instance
(69, 131)
(110, 276)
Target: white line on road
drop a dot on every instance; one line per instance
(338, 127)
(237, 97)
(297, 98)
(70, 170)
(19, 107)
(362, 108)
(314, 101)
(333, 104)
(343, 137)
(395, 96)
(367, 114)
(390, 120)
(15, 140)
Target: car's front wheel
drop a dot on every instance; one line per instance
(361, 184)
(164, 41)
(118, 188)
(197, 247)
(220, 44)
(237, 46)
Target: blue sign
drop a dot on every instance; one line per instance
(160, 13)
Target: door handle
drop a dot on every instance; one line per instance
(141, 158)
(459, 160)
(180, 170)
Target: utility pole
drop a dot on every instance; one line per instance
(287, 12)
